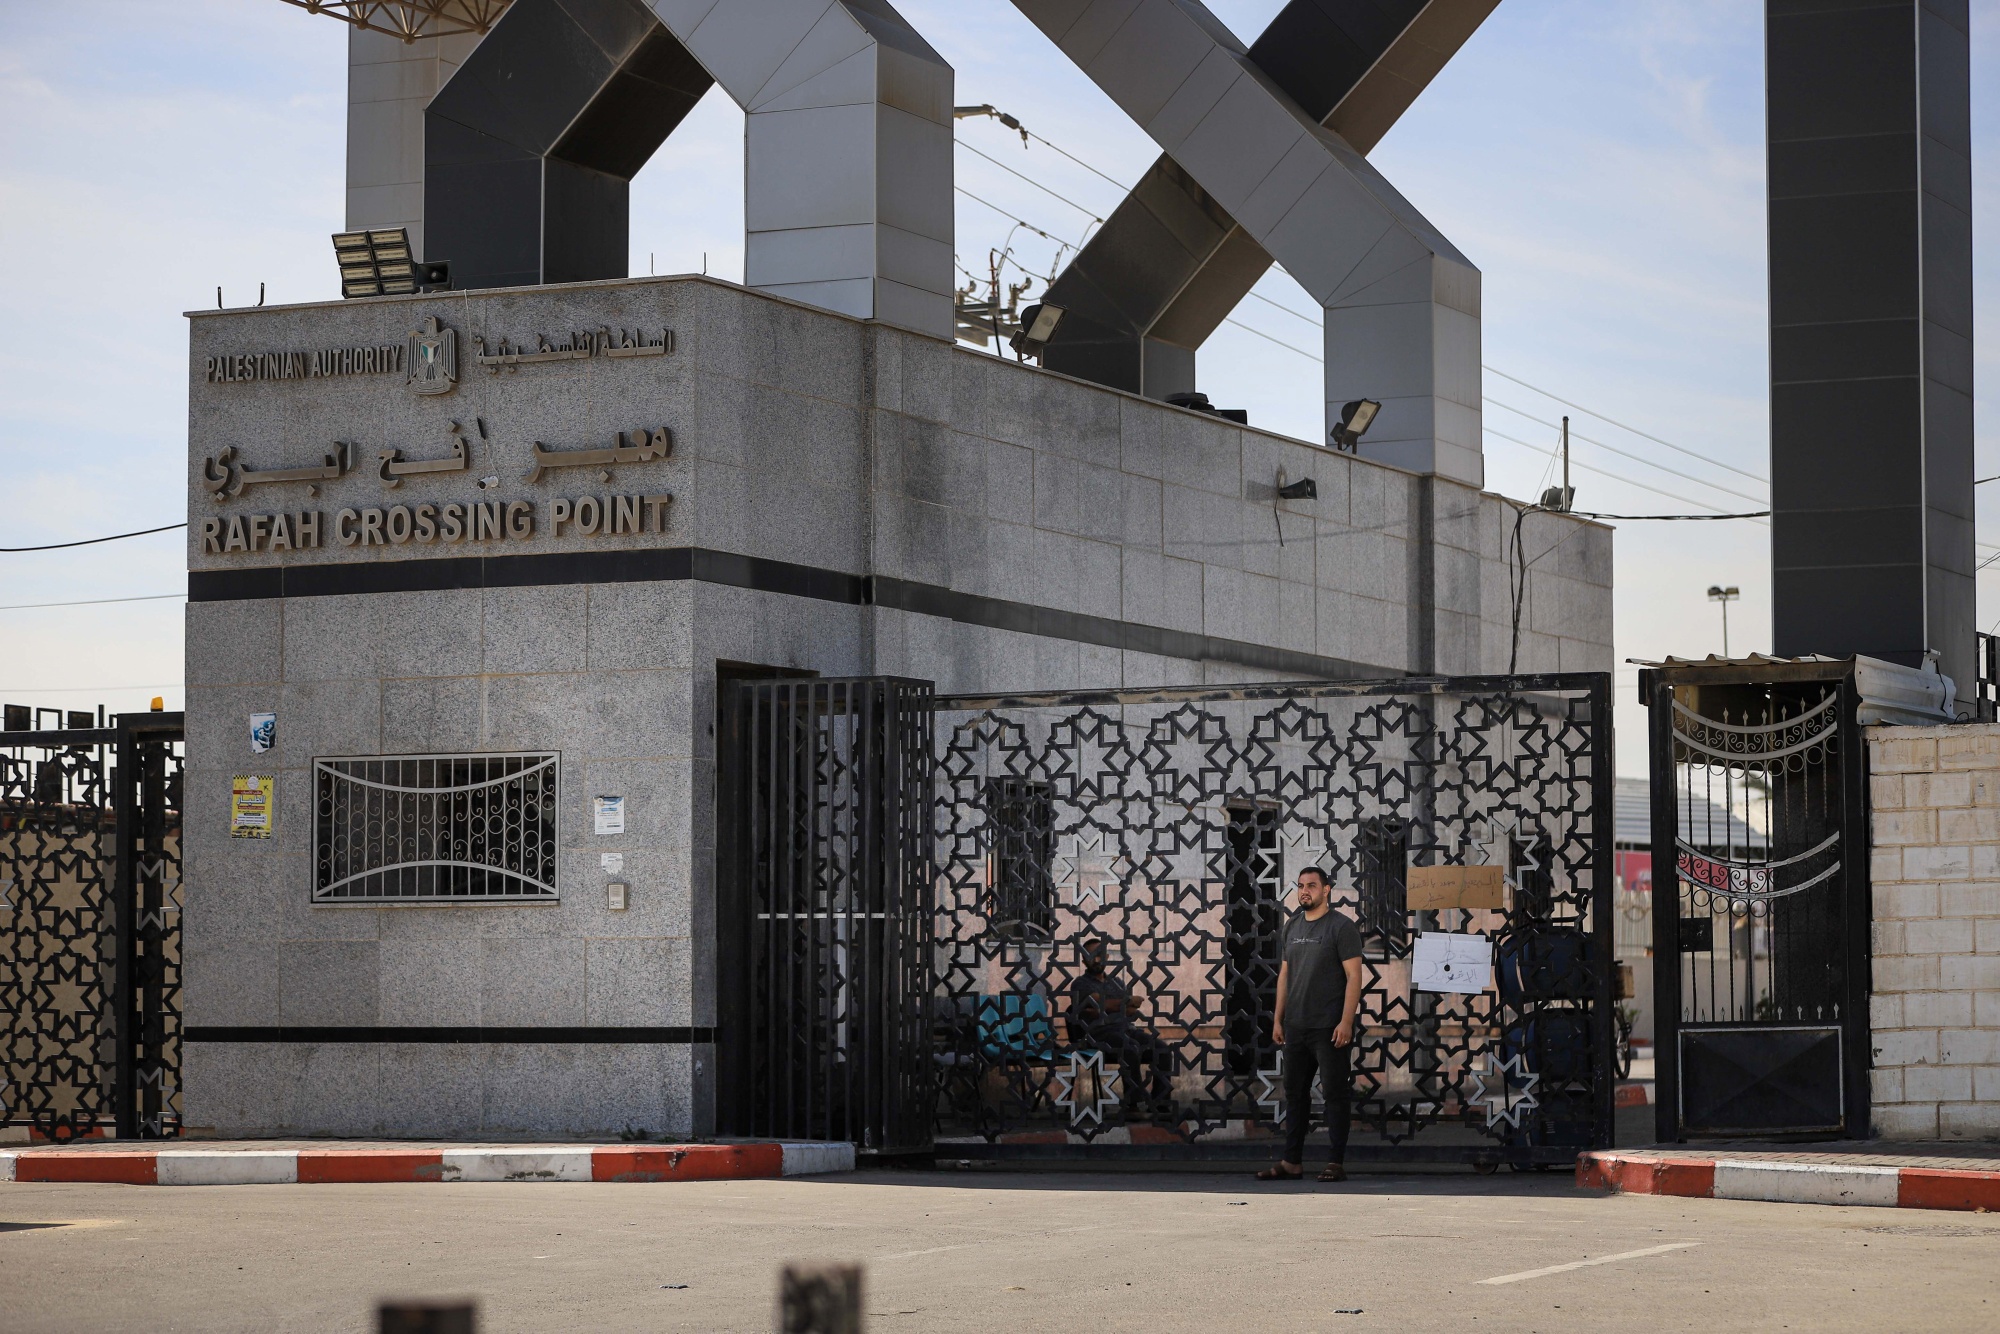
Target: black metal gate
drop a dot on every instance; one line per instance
(1761, 947)
(824, 912)
(90, 896)
(1168, 828)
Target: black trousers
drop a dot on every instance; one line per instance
(1310, 1051)
(1130, 1045)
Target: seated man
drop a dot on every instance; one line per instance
(1100, 1017)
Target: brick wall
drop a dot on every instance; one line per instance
(1935, 793)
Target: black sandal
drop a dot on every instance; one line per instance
(1331, 1172)
(1278, 1173)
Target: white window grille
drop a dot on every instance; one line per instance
(435, 828)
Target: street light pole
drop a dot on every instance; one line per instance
(1717, 593)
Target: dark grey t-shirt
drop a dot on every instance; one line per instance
(1315, 982)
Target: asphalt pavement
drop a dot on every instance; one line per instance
(990, 1250)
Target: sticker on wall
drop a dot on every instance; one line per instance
(250, 807)
(609, 813)
(263, 732)
(612, 862)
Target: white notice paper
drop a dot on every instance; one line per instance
(610, 813)
(612, 862)
(1442, 961)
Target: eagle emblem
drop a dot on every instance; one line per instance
(433, 357)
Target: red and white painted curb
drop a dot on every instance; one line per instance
(385, 1163)
(1633, 1095)
(1788, 1182)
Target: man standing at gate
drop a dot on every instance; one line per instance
(1319, 989)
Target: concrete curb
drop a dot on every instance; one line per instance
(265, 1167)
(1789, 1183)
(1632, 1095)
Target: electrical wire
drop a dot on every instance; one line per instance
(68, 690)
(1636, 458)
(1021, 129)
(1019, 222)
(1022, 222)
(1031, 181)
(1601, 472)
(92, 602)
(1638, 518)
(1310, 356)
(1279, 341)
(1623, 427)
(1517, 586)
(92, 541)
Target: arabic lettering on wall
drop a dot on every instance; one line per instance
(227, 476)
(580, 345)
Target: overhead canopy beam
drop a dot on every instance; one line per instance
(1172, 262)
(534, 134)
(847, 156)
(531, 147)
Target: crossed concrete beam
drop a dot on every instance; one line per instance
(1250, 175)
(530, 138)
(847, 154)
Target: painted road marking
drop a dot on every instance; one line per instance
(987, 1241)
(1585, 1264)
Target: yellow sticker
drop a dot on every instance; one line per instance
(250, 807)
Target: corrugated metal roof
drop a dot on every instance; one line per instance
(1706, 825)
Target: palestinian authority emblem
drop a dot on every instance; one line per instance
(433, 357)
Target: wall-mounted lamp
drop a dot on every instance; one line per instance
(1355, 419)
(1038, 326)
(1303, 489)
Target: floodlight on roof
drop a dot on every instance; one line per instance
(379, 262)
(1355, 419)
(1038, 326)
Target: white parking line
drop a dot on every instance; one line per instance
(987, 1241)
(1585, 1264)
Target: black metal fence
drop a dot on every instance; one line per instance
(90, 897)
(825, 912)
(1760, 826)
(1171, 826)
(1986, 678)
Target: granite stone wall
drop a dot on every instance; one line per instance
(848, 499)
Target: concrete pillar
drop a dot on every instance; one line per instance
(389, 83)
(1869, 124)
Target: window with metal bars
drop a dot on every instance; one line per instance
(435, 828)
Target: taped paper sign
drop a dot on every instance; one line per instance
(609, 813)
(250, 807)
(1442, 961)
(1435, 887)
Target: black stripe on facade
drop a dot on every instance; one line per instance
(759, 574)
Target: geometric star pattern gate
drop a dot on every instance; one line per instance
(90, 896)
(1166, 829)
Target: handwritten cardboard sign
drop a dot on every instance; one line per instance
(1435, 887)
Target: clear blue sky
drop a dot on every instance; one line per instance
(1601, 162)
